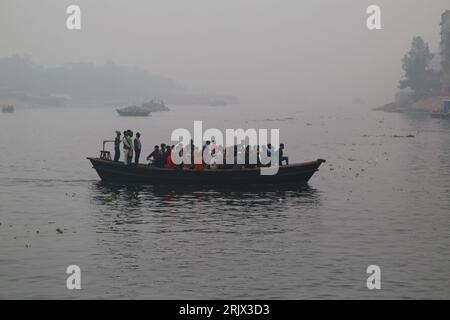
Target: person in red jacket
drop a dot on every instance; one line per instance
(169, 162)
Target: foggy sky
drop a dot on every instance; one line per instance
(314, 52)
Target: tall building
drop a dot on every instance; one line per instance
(445, 52)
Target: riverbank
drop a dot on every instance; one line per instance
(425, 105)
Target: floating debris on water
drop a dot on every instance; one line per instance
(408, 136)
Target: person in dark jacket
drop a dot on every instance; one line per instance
(155, 157)
(117, 141)
(269, 150)
(137, 148)
(192, 147)
(282, 157)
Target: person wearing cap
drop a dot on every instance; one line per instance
(117, 146)
(137, 148)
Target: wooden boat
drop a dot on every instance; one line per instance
(144, 174)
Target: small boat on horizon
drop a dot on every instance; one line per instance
(217, 103)
(133, 111)
(8, 108)
(110, 171)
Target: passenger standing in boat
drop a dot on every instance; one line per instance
(137, 148)
(130, 144)
(117, 146)
(192, 147)
(269, 150)
(247, 156)
(251, 154)
(282, 157)
(206, 147)
(240, 155)
(218, 157)
(163, 152)
(169, 162)
(198, 160)
(213, 147)
(179, 150)
(258, 159)
(126, 146)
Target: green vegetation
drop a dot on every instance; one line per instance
(419, 76)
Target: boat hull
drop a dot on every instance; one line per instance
(133, 114)
(110, 171)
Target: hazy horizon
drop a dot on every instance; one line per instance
(260, 51)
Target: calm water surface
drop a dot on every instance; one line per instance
(382, 198)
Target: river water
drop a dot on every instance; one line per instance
(381, 199)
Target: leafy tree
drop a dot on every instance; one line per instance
(419, 76)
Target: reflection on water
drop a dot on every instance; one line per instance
(197, 209)
(261, 199)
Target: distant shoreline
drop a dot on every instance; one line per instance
(425, 105)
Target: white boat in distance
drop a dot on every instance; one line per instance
(133, 111)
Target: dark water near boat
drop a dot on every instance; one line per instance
(381, 198)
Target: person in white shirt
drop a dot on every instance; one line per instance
(126, 147)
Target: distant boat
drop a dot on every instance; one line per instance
(155, 105)
(445, 113)
(133, 111)
(358, 101)
(8, 109)
(217, 103)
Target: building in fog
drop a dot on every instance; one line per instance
(445, 51)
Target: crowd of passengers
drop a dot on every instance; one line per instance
(161, 156)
